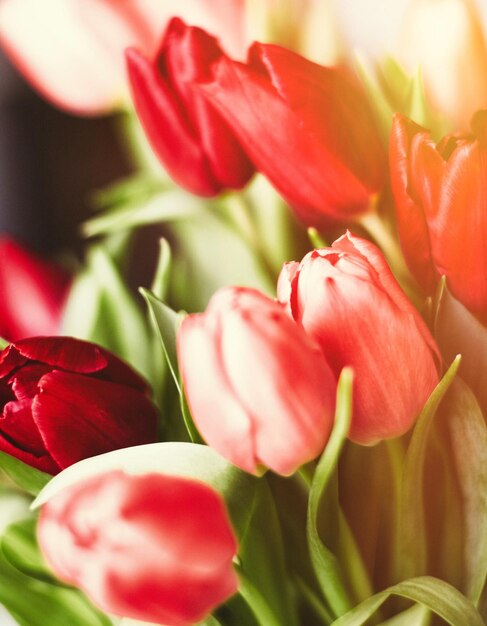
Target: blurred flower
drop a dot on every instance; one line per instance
(308, 128)
(441, 202)
(152, 547)
(346, 298)
(445, 38)
(63, 400)
(259, 390)
(72, 50)
(188, 135)
(32, 293)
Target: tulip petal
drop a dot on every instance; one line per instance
(247, 102)
(100, 416)
(167, 128)
(219, 416)
(411, 220)
(63, 352)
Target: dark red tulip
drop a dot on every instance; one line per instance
(155, 547)
(32, 293)
(346, 298)
(189, 136)
(441, 201)
(308, 128)
(63, 400)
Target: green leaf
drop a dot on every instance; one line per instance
(27, 478)
(19, 546)
(35, 602)
(412, 538)
(417, 108)
(101, 309)
(325, 563)
(160, 283)
(416, 615)
(437, 595)
(3, 343)
(188, 460)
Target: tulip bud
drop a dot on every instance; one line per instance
(153, 547)
(445, 38)
(440, 193)
(51, 386)
(32, 293)
(347, 299)
(323, 151)
(188, 135)
(259, 390)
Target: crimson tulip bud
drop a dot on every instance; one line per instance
(63, 400)
(32, 293)
(347, 299)
(322, 151)
(259, 390)
(189, 136)
(154, 547)
(441, 200)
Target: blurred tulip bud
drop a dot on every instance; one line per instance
(260, 392)
(50, 386)
(346, 298)
(441, 201)
(32, 293)
(322, 152)
(153, 547)
(188, 135)
(72, 50)
(445, 38)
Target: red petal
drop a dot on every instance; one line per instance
(63, 352)
(79, 416)
(411, 221)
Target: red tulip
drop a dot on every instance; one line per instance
(346, 299)
(72, 50)
(308, 128)
(63, 400)
(441, 202)
(190, 138)
(32, 293)
(152, 547)
(258, 388)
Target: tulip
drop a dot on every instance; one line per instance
(72, 50)
(190, 138)
(32, 293)
(346, 298)
(445, 38)
(440, 193)
(259, 390)
(63, 400)
(322, 151)
(154, 547)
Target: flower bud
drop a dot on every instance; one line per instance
(259, 390)
(322, 151)
(189, 136)
(153, 547)
(346, 298)
(63, 400)
(32, 293)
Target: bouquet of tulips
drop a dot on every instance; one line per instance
(311, 449)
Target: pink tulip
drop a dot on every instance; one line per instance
(259, 390)
(346, 299)
(72, 50)
(153, 547)
(32, 293)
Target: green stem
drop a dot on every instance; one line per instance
(358, 575)
(256, 601)
(314, 601)
(396, 454)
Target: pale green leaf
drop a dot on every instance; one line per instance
(24, 476)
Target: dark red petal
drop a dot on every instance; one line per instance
(411, 221)
(9, 360)
(79, 416)
(64, 352)
(43, 463)
(167, 128)
(117, 371)
(294, 159)
(18, 426)
(24, 381)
